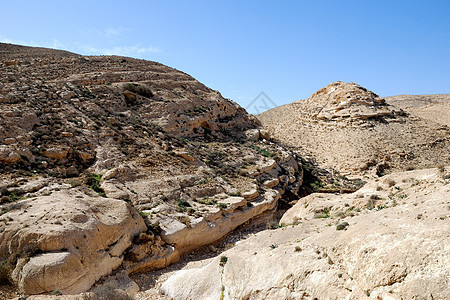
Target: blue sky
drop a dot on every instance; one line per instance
(286, 49)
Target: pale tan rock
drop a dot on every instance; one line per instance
(264, 134)
(56, 152)
(252, 134)
(208, 229)
(387, 253)
(345, 126)
(81, 239)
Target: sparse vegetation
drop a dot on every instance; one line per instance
(144, 214)
(108, 291)
(207, 201)
(262, 151)
(316, 185)
(223, 261)
(74, 183)
(324, 213)
(182, 205)
(342, 226)
(222, 205)
(93, 182)
(185, 220)
(139, 88)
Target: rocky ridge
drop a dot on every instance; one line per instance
(435, 108)
(348, 128)
(388, 240)
(125, 165)
(129, 166)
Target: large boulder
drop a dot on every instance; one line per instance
(65, 241)
(345, 247)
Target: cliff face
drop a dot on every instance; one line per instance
(122, 163)
(389, 240)
(351, 129)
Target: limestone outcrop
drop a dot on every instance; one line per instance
(389, 238)
(350, 129)
(66, 240)
(130, 164)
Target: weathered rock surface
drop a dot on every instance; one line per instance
(147, 137)
(396, 242)
(435, 108)
(67, 240)
(350, 129)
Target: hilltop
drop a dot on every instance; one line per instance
(123, 178)
(117, 164)
(349, 128)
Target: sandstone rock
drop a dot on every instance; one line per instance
(345, 126)
(80, 240)
(174, 149)
(264, 134)
(8, 155)
(208, 229)
(252, 134)
(385, 251)
(66, 95)
(56, 152)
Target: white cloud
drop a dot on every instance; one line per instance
(113, 31)
(119, 50)
(135, 51)
(55, 44)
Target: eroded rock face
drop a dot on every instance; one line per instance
(395, 245)
(62, 107)
(348, 101)
(146, 136)
(67, 240)
(351, 129)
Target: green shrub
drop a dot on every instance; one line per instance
(93, 182)
(223, 261)
(324, 213)
(139, 88)
(183, 205)
(222, 205)
(108, 291)
(342, 226)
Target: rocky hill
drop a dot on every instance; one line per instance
(347, 127)
(389, 240)
(113, 163)
(113, 168)
(431, 107)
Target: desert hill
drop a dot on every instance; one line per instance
(432, 107)
(347, 127)
(112, 163)
(115, 173)
(389, 240)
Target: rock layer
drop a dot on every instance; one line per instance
(350, 129)
(395, 245)
(67, 240)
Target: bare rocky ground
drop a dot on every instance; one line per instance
(353, 130)
(388, 240)
(118, 165)
(435, 108)
(123, 178)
